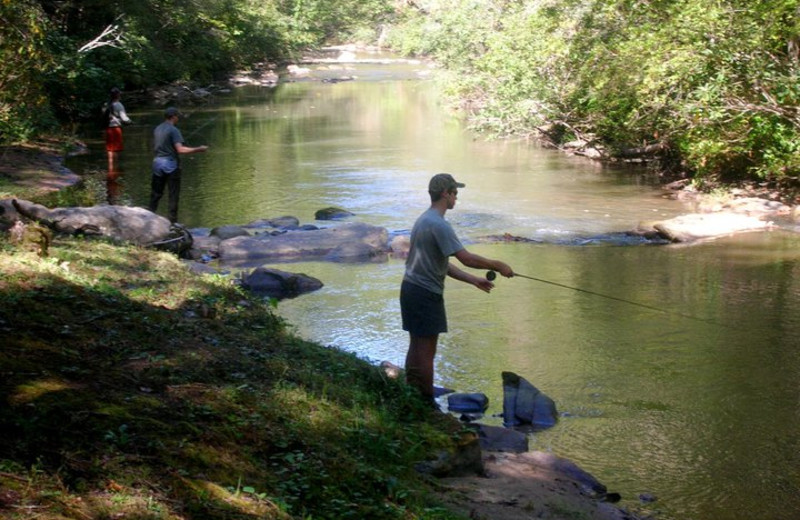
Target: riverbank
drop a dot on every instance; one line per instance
(32, 169)
(136, 388)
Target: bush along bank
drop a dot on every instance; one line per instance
(701, 89)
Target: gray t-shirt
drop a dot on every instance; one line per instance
(167, 159)
(165, 137)
(117, 115)
(433, 241)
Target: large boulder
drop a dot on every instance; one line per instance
(124, 223)
(524, 404)
(304, 244)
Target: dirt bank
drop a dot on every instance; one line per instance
(33, 169)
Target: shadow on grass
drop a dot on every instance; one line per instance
(131, 389)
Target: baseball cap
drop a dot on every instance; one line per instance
(172, 112)
(443, 182)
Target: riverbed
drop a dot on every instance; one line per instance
(687, 392)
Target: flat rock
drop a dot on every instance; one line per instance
(703, 226)
(301, 244)
(130, 224)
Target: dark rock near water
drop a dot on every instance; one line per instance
(524, 404)
(204, 247)
(284, 222)
(332, 214)
(467, 403)
(226, 232)
(495, 438)
(279, 284)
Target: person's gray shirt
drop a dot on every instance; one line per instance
(167, 159)
(433, 241)
(117, 115)
(165, 137)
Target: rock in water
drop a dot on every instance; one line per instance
(279, 284)
(523, 404)
(467, 403)
(332, 214)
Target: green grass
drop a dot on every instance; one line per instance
(132, 388)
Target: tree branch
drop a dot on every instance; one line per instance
(111, 36)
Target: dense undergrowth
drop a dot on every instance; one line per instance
(132, 388)
(711, 87)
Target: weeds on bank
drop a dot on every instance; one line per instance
(134, 389)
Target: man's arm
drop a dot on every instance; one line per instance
(481, 283)
(479, 262)
(181, 148)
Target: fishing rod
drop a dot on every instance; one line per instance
(193, 132)
(491, 276)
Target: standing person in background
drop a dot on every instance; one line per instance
(433, 242)
(115, 118)
(169, 146)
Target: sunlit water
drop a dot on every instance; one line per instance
(691, 396)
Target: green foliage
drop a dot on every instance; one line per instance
(58, 63)
(716, 81)
(314, 22)
(24, 58)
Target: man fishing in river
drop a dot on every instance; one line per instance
(169, 145)
(433, 242)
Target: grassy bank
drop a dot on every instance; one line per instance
(132, 388)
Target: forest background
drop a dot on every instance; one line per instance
(708, 87)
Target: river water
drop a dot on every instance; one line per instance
(694, 402)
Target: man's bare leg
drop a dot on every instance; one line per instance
(419, 363)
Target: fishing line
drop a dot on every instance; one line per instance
(212, 120)
(491, 275)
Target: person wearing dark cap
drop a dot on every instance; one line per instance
(115, 118)
(433, 242)
(169, 145)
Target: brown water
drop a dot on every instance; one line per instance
(696, 403)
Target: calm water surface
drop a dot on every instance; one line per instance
(696, 404)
